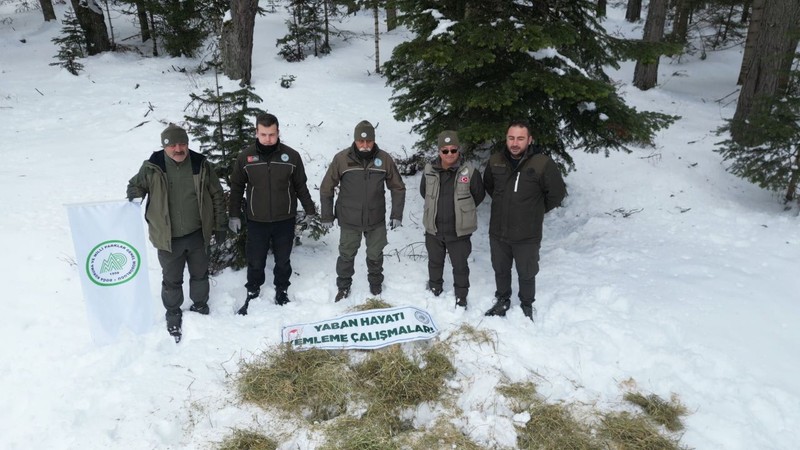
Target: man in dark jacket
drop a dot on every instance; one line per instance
(452, 190)
(185, 206)
(524, 184)
(274, 178)
(361, 171)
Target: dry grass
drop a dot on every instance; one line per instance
(351, 433)
(372, 303)
(521, 396)
(442, 436)
(628, 431)
(553, 427)
(664, 413)
(247, 440)
(315, 383)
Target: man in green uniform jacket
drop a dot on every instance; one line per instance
(185, 207)
(361, 171)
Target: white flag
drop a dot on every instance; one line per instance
(111, 252)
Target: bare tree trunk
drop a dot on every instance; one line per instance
(794, 180)
(90, 17)
(602, 6)
(645, 75)
(236, 42)
(141, 13)
(47, 10)
(753, 31)
(680, 27)
(391, 15)
(375, 13)
(746, 11)
(634, 11)
(766, 74)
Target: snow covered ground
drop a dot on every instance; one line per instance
(694, 293)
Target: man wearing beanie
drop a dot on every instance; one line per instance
(185, 207)
(361, 171)
(524, 184)
(273, 177)
(452, 190)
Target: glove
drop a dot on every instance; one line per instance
(138, 200)
(395, 223)
(308, 220)
(326, 225)
(220, 236)
(235, 224)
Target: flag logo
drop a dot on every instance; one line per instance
(112, 262)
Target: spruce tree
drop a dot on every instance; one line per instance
(306, 31)
(224, 124)
(476, 65)
(70, 44)
(770, 156)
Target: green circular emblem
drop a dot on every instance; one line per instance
(112, 262)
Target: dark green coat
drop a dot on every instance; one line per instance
(361, 204)
(521, 195)
(151, 181)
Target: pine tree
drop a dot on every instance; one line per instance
(224, 124)
(774, 162)
(476, 65)
(306, 31)
(70, 44)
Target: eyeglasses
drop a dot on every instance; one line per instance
(447, 152)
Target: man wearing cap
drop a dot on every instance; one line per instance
(524, 184)
(452, 190)
(361, 171)
(185, 207)
(274, 178)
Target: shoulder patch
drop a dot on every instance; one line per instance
(284, 157)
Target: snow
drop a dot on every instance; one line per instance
(661, 272)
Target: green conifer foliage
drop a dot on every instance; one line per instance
(771, 156)
(224, 125)
(476, 65)
(70, 44)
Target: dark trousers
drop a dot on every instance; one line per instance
(459, 250)
(189, 250)
(349, 242)
(261, 237)
(525, 256)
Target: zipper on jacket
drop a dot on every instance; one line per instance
(516, 182)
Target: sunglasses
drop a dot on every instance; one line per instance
(447, 152)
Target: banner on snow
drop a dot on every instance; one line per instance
(371, 329)
(111, 250)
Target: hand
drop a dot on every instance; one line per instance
(326, 225)
(235, 224)
(220, 236)
(308, 220)
(395, 223)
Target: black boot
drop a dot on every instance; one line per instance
(500, 307)
(250, 295)
(201, 308)
(174, 321)
(461, 302)
(375, 289)
(281, 297)
(529, 310)
(342, 294)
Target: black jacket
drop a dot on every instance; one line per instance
(522, 194)
(274, 181)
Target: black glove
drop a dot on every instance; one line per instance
(220, 236)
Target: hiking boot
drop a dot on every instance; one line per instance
(500, 307)
(174, 321)
(529, 311)
(375, 289)
(252, 294)
(461, 302)
(343, 293)
(200, 308)
(281, 297)
(437, 291)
